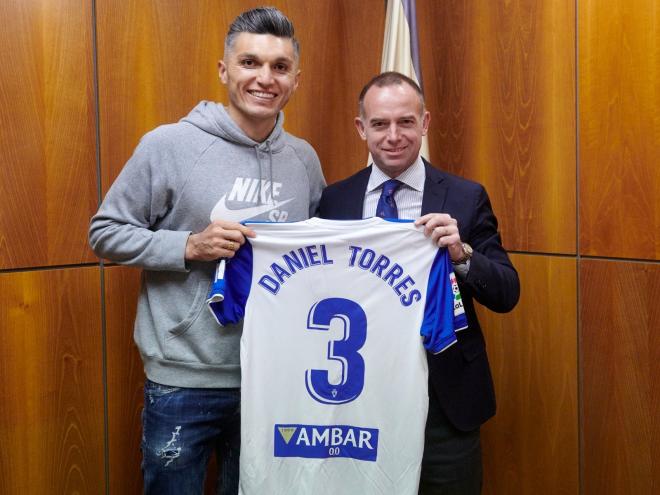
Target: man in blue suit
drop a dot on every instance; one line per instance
(456, 214)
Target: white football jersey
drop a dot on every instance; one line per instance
(334, 373)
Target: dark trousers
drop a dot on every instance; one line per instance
(452, 459)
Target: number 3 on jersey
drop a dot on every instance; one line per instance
(344, 351)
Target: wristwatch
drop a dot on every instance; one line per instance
(467, 254)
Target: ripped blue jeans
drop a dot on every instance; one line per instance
(181, 427)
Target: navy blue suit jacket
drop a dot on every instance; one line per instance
(460, 376)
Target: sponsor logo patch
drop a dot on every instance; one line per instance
(326, 441)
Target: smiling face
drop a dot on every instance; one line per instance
(393, 123)
(261, 73)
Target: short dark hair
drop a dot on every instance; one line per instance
(386, 79)
(262, 20)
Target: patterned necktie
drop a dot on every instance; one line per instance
(386, 205)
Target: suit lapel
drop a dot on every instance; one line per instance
(435, 190)
(355, 191)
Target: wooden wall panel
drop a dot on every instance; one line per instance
(125, 377)
(341, 44)
(531, 446)
(499, 79)
(619, 102)
(620, 354)
(51, 412)
(157, 59)
(47, 143)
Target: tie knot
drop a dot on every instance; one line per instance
(390, 186)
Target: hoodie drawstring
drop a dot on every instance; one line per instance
(256, 154)
(270, 166)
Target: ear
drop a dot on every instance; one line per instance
(359, 125)
(296, 80)
(222, 71)
(426, 120)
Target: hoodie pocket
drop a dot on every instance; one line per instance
(196, 308)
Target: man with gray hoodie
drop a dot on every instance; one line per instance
(174, 210)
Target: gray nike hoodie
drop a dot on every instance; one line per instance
(180, 177)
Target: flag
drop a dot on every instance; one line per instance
(401, 46)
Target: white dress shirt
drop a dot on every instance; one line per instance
(408, 197)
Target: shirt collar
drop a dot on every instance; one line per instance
(413, 177)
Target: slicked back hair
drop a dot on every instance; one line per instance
(387, 79)
(262, 20)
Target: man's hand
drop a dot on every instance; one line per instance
(221, 239)
(443, 230)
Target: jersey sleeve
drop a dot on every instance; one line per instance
(443, 314)
(231, 287)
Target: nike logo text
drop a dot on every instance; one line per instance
(252, 190)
